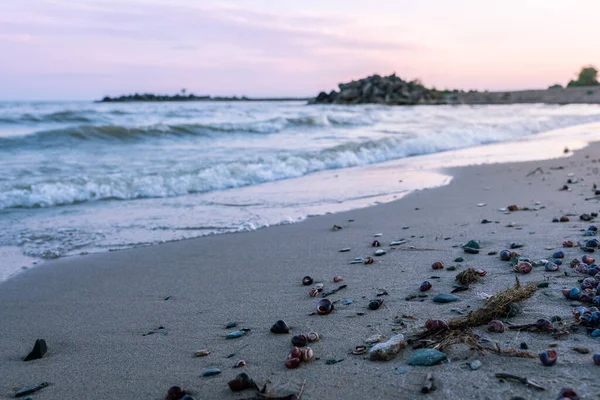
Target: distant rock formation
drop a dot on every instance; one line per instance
(158, 97)
(381, 90)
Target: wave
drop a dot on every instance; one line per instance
(60, 116)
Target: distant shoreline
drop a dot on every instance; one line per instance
(137, 98)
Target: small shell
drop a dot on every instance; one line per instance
(319, 286)
(324, 306)
(575, 262)
(588, 259)
(369, 260)
(359, 350)
(280, 327)
(522, 267)
(338, 278)
(425, 286)
(481, 272)
(551, 267)
(312, 337)
(592, 243)
(294, 353)
(567, 394)
(505, 255)
(564, 218)
(239, 364)
(376, 243)
(435, 324)
(496, 326)
(313, 292)
(568, 243)
(299, 340)
(558, 254)
(307, 354)
(202, 353)
(375, 304)
(307, 280)
(548, 357)
(292, 363)
(596, 358)
(437, 265)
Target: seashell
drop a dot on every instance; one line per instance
(585, 217)
(175, 393)
(375, 304)
(586, 297)
(592, 228)
(567, 394)
(239, 364)
(558, 254)
(202, 353)
(319, 286)
(544, 325)
(588, 259)
(313, 337)
(505, 255)
(568, 243)
(496, 326)
(558, 261)
(376, 243)
(481, 272)
(589, 283)
(235, 334)
(582, 268)
(324, 306)
(307, 354)
(359, 350)
(548, 358)
(313, 292)
(307, 280)
(555, 220)
(280, 327)
(338, 278)
(424, 286)
(596, 358)
(575, 262)
(379, 252)
(514, 254)
(551, 267)
(592, 243)
(574, 293)
(369, 260)
(292, 363)
(435, 324)
(578, 311)
(564, 218)
(295, 353)
(241, 382)
(437, 265)
(299, 340)
(596, 301)
(374, 339)
(522, 268)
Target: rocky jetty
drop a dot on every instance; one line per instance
(376, 89)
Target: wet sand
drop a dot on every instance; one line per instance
(95, 310)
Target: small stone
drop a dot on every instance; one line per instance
(380, 252)
(427, 357)
(581, 350)
(241, 382)
(211, 372)
(516, 245)
(280, 327)
(543, 284)
(459, 259)
(523, 346)
(345, 249)
(39, 349)
(24, 391)
(231, 325)
(445, 298)
(470, 250)
(202, 353)
(235, 334)
(475, 365)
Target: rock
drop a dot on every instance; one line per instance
(445, 298)
(475, 365)
(39, 349)
(241, 382)
(211, 372)
(24, 391)
(426, 357)
(380, 252)
(459, 259)
(387, 350)
(280, 327)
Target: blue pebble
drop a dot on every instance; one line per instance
(596, 333)
(555, 220)
(445, 298)
(427, 357)
(557, 261)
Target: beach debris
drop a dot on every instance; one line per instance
(558, 254)
(376, 243)
(177, 393)
(523, 267)
(445, 298)
(369, 260)
(377, 338)
(39, 349)
(581, 350)
(397, 242)
(424, 286)
(299, 340)
(596, 358)
(338, 278)
(242, 382)
(336, 228)
(378, 235)
(239, 364)
(211, 372)
(428, 385)
(524, 381)
(236, 334)
(319, 286)
(568, 244)
(359, 350)
(379, 252)
(24, 391)
(426, 357)
(437, 265)
(435, 325)
(495, 326)
(475, 365)
(231, 325)
(516, 245)
(202, 353)
(313, 336)
(468, 276)
(280, 327)
(513, 207)
(345, 249)
(564, 218)
(472, 247)
(325, 306)
(486, 221)
(548, 358)
(332, 361)
(387, 350)
(313, 292)
(307, 280)
(160, 329)
(375, 304)
(357, 260)
(334, 291)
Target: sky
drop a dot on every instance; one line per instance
(86, 49)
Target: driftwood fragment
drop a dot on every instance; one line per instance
(429, 384)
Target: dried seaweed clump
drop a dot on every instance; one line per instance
(468, 276)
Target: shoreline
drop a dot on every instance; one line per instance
(93, 311)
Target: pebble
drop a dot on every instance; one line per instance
(475, 365)
(230, 325)
(400, 370)
(459, 259)
(347, 301)
(211, 372)
(445, 298)
(345, 249)
(24, 391)
(235, 334)
(380, 252)
(39, 349)
(427, 357)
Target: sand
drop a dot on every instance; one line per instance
(94, 310)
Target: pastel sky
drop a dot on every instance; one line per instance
(85, 49)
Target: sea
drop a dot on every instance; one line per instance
(84, 177)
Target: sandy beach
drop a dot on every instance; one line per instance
(95, 311)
